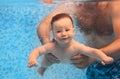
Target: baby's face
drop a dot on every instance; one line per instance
(63, 30)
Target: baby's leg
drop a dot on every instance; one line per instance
(44, 65)
(41, 70)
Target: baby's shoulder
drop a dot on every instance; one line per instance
(48, 46)
(75, 43)
(78, 45)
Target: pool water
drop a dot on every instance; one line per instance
(18, 36)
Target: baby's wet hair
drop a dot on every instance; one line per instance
(60, 16)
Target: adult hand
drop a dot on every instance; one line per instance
(51, 58)
(81, 61)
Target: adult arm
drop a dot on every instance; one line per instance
(44, 28)
(113, 49)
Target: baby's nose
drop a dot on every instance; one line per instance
(64, 33)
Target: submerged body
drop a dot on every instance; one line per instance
(63, 46)
(100, 24)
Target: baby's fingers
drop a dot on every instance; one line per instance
(108, 60)
(111, 60)
(30, 64)
(103, 63)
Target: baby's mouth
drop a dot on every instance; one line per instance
(64, 38)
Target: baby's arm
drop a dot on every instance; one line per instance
(94, 53)
(34, 55)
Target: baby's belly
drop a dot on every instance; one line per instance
(65, 61)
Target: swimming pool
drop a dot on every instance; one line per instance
(18, 23)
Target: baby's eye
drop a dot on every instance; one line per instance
(67, 29)
(58, 31)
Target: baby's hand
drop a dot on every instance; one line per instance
(107, 60)
(32, 62)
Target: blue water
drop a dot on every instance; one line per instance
(18, 24)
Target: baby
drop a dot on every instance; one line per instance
(63, 46)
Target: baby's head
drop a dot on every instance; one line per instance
(62, 27)
(60, 16)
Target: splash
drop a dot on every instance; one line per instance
(58, 1)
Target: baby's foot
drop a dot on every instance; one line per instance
(41, 70)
